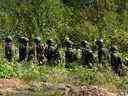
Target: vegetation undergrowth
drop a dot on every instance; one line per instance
(103, 77)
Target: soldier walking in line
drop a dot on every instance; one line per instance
(87, 58)
(70, 54)
(23, 48)
(51, 53)
(9, 52)
(103, 53)
(116, 61)
(39, 50)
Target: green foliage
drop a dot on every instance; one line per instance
(78, 20)
(7, 70)
(78, 75)
(120, 38)
(52, 19)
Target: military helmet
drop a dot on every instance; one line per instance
(67, 39)
(113, 48)
(69, 43)
(100, 41)
(24, 39)
(84, 43)
(37, 39)
(50, 41)
(8, 39)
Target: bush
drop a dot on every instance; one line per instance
(120, 38)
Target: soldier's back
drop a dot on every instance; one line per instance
(70, 55)
(103, 55)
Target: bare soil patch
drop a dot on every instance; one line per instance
(17, 87)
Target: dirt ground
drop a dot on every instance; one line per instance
(17, 87)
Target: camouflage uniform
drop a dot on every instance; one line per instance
(103, 53)
(9, 52)
(51, 53)
(23, 49)
(87, 57)
(31, 52)
(39, 50)
(116, 61)
(70, 54)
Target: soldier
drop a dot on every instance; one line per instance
(31, 52)
(23, 48)
(9, 52)
(68, 43)
(116, 61)
(51, 53)
(103, 53)
(87, 57)
(39, 50)
(70, 53)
